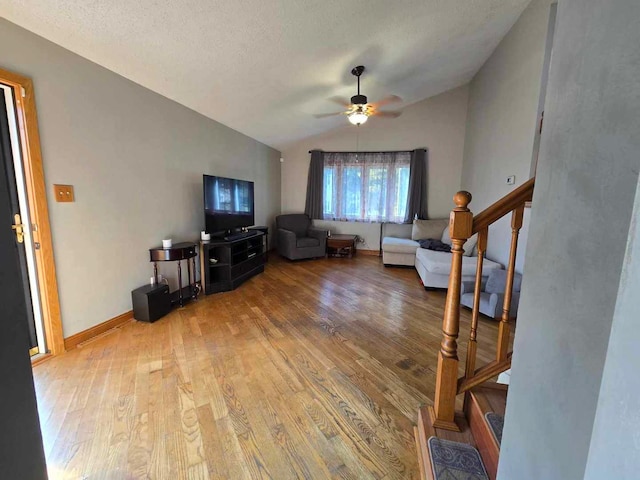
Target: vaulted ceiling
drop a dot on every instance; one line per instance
(264, 67)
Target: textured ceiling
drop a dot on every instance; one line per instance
(264, 67)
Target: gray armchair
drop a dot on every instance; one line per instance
(297, 239)
(492, 294)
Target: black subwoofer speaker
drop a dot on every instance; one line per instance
(151, 302)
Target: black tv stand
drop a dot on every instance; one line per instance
(226, 264)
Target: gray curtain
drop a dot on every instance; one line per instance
(417, 200)
(313, 205)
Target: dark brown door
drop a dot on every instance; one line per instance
(21, 452)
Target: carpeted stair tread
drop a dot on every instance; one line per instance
(455, 461)
(496, 424)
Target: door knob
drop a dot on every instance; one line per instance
(18, 228)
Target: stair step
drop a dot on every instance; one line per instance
(488, 399)
(495, 421)
(425, 430)
(452, 460)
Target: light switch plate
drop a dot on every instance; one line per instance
(511, 180)
(64, 193)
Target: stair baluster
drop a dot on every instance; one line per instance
(505, 328)
(473, 344)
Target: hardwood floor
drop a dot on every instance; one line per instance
(313, 370)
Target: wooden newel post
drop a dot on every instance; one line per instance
(460, 229)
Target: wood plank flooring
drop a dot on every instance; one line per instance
(314, 370)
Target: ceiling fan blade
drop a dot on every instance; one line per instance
(324, 115)
(387, 101)
(390, 114)
(340, 101)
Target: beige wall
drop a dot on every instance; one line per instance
(437, 123)
(502, 118)
(136, 160)
(573, 398)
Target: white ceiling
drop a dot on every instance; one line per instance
(264, 67)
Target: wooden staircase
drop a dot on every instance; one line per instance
(441, 420)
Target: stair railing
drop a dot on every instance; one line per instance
(462, 225)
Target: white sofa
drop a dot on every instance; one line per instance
(432, 266)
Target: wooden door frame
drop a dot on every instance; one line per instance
(37, 198)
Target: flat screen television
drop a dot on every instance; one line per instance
(228, 204)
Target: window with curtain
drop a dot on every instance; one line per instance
(366, 186)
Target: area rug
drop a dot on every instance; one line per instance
(496, 424)
(455, 461)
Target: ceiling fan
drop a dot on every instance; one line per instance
(359, 109)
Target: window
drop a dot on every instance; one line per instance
(366, 187)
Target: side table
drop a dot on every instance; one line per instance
(177, 253)
(341, 245)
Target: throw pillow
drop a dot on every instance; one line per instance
(427, 228)
(445, 238)
(469, 245)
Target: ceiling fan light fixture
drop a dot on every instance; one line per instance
(359, 110)
(358, 117)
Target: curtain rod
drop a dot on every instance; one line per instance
(387, 151)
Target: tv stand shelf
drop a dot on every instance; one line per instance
(236, 261)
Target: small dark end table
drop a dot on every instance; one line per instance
(341, 245)
(177, 253)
